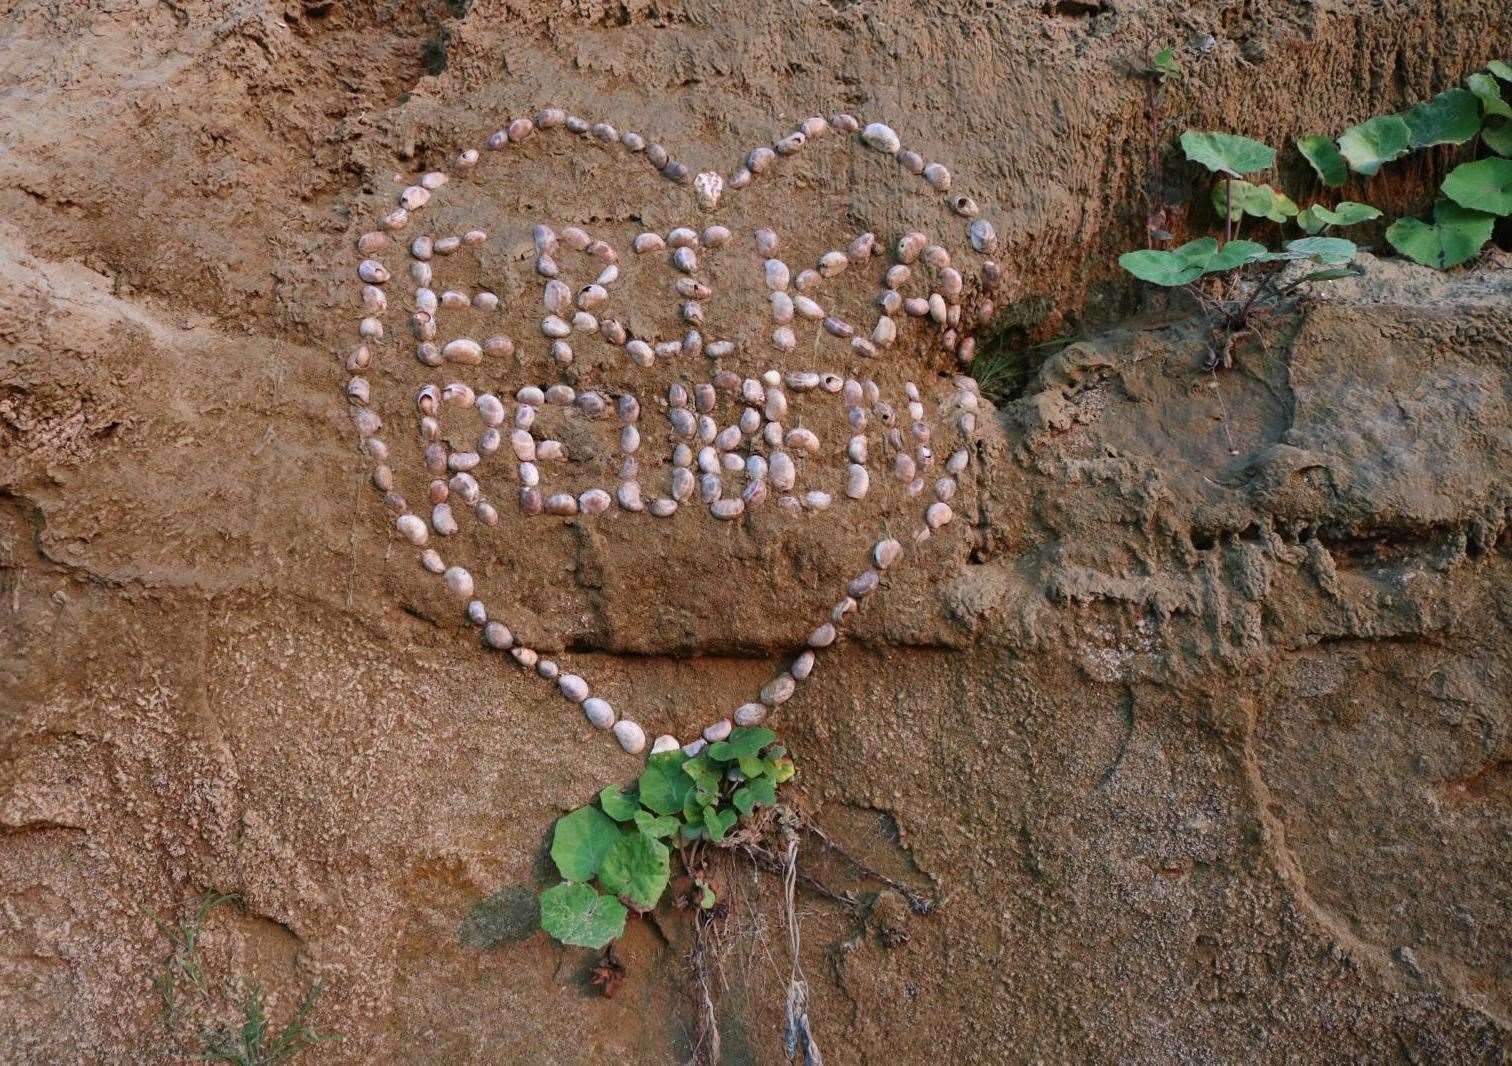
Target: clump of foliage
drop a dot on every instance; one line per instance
(184, 934)
(615, 856)
(253, 1043)
(1473, 195)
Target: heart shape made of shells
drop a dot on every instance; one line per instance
(760, 449)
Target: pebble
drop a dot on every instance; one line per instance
(631, 736)
(778, 690)
(822, 637)
(750, 713)
(497, 635)
(573, 687)
(863, 585)
(937, 515)
(718, 731)
(599, 713)
(886, 552)
(665, 742)
(881, 137)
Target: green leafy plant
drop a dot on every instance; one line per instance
(1317, 218)
(184, 934)
(1163, 66)
(254, 1043)
(615, 858)
(1454, 237)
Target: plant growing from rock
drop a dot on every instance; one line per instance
(615, 856)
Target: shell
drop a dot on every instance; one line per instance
(497, 635)
(442, 520)
(718, 731)
(904, 467)
(373, 241)
(727, 508)
(657, 156)
(963, 205)
(685, 260)
(594, 502)
(628, 496)
(937, 515)
(782, 308)
(662, 507)
(816, 500)
(800, 438)
(863, 584)
(910, 161)
(844, 606)
(832, 263)
(759, 159)
(708, 186)
(791, 144)
(938, 177)
(823, 636)
(631, 736)
(885, 331)
(526, 657)
(561, 503)
(857, 481)
(957, 461)
(750, 713)
(983, 236)
(910, 245)
(775, 271)
(945, 489)
(665, 742)
(373, 272)
(784, 339)
(573, 687)
(845, 123)
(856, 448)
(862, 246)
(431, 560)
(647, 242)
(412, 529)
(778, 690)
(599, 713)
(715, 236)
(802, 666)
(881, 137)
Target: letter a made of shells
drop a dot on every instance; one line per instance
(758, 451)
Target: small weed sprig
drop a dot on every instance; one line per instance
(254, 1044)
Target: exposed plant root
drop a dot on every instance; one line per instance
(798, 1034)
(706, 1044)
(918, 903)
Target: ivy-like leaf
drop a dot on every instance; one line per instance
(577, 914)
(618, 803)
(751, 766)
(1318, 149)
(1227, 153)
(704, 773)
(1371, 145)
(1165, 65)
(636, 870)
(706, 897)
(718, 822)
(1484, 185)
(1451, 117)
(1498, 136)
(1261, 201)
(744, 800)
(663, 784)
(580, 842)
(763, 790)
(783, 771)
(1485, 87)
(1345, 213)
(656, 825)
(1455, 236)
(750, 739)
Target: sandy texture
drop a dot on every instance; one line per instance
(1196, 723)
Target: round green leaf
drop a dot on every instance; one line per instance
(578, 915)
(1370, 145)
(663, 784)
(1175, 267)
(750, 739)
(1227, 153)
(719, 822)
(703, 773)
(1455, 236)
(1485, 87)
(1485, 185)
(1498, 136)
(1451, 117)
(1232, 255)
(1241, 198)
(1333, 251)
(581, 841)
(618, 803)
(1346, 213)
(636, 870)
(1319, 150)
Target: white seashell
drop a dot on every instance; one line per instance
(549, 118)
(430, 558)
(759, 159)
(710, 487)
(938, 177)
(808, 308)
(937, 308)
(594, 502)
(631, 737)
(412, 529)
(555, 326)
(647, 242)
(832, 263)
(662, 507)
(685, 260)
(804, 439)
(628, 496)
(782, 308)
(465, 486)
(813, 127)
(781, 471)
(665, 742)
(800, 380)
(531, 502)
(383, 478)
(937, 515)
(857, 482)
(816, 500)
(718, 731)
(374, 300)
(715, 236)
(855, 448)
(497, 635)
(802, 666)
(605, 132)
(531, 396)
(983, 236)
(730, 462)
(910, 161)
(520, 129)
(396, 219)
(561, 503)
(791, 144)
(945, 489)
(863, 584)
(903, 467)
(526, 657)
(442, 520)
(766, 242)
(640, 353)
(523, 444)
(963, 205)
(957, 461)
(950, 282)
(727, 508)
(784, 339)
(372, 241)
(633, 141)
(573, 687)
(599, 713)
(490, 409)
(843, 607)
(822, 637)
(414, 198)
(778, 690)
(776, 274)
(881, 137)
(862, 246)
(357, 390)
(708, 186)
(373, 272)
(486, 513)
(750, 713)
